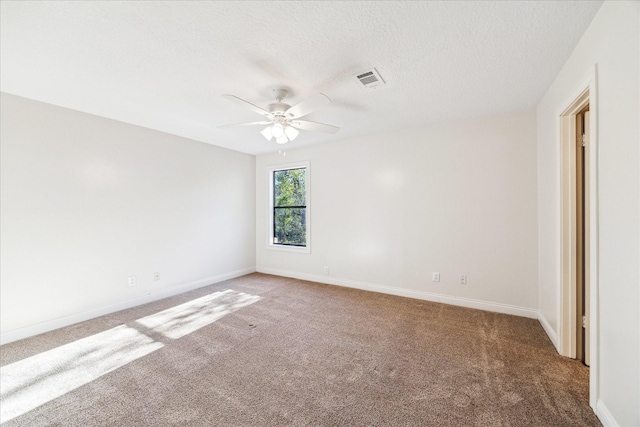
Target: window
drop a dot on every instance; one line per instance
(289, 207)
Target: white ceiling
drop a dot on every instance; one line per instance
(164, 65)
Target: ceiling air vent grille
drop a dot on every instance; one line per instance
(370, 78)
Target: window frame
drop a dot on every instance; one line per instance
(270, 208)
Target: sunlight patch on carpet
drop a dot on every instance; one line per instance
(186, 318)
(34, 381)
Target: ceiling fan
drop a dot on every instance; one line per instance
(283, 119)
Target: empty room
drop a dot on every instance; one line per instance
(320, 213)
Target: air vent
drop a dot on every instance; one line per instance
(370, 78)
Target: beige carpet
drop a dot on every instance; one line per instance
(311, 354)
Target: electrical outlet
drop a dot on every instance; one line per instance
(156, 276)
(326, 270)
(463, 279)
(436, 277)
(131, 280)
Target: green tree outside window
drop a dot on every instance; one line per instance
(290, 207)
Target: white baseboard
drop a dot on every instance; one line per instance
(605, 416)
(410, 293)
(549, 330)
(60, 322)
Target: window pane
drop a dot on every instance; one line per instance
(289, 187)
(290, 226)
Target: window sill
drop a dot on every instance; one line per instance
(292, 249)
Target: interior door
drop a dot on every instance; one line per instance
(582, 238)
(587, 244)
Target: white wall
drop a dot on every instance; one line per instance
(387, 210)
(611, 42)
(87, 202)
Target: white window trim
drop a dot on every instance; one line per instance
(285, 248)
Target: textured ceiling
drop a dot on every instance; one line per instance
(164, 65)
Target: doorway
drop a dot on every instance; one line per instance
(578, 314)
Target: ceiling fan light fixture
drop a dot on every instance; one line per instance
(282, 139)
(291, 132)
(277, 130)
(267, 133)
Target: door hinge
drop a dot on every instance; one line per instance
(584, 321)
(584, 140)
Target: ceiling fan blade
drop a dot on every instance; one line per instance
(262, 122)
(313, 126)
(307, 106)
(248, 105)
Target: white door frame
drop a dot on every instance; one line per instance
(585, 93)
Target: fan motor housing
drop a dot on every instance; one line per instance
(279, 108)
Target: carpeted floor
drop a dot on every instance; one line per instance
(319, 355)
